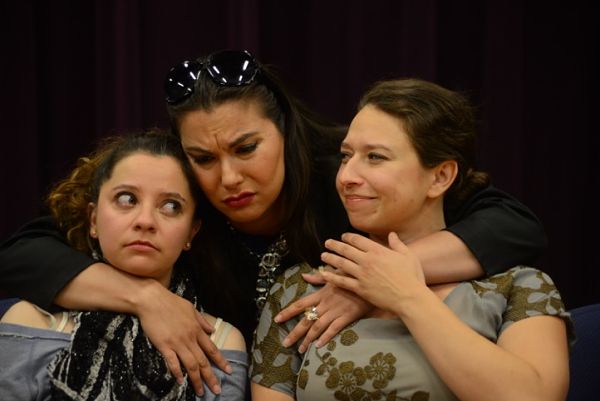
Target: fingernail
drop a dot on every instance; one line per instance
(217, 389)
(318, 344)
(229, 369)
(286, 342)
(180, 381)
(302, 349)
(277, 319)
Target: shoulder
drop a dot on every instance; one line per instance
(26, 314)
(528, 292)
(234, 339)
(290, 285)
(226, 335)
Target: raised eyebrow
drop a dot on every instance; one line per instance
(124, 187)
(129, 187)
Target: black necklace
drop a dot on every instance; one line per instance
(268, 264)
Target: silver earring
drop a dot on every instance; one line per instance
(187, 246)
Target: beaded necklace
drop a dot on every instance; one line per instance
(268, 263)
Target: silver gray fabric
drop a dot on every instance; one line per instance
(25, 353)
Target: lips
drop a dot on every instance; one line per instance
(142, 246)
(241, 200)
(354, 200)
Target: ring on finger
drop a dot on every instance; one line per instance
(311, 314)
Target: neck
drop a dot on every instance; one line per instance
(429, 220)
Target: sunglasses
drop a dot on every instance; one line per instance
(225, 68)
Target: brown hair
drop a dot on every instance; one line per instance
(440, 124)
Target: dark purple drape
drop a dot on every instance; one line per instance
(75, 71)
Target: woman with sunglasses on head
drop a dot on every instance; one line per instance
(267, 166)
(408, 154)
(133, 205)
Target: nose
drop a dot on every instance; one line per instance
(145, 219)
(348, 173)
(231, 176)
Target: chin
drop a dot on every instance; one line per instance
(361, 225)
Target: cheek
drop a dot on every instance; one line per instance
(339, 186)
(205, 179)
(179, 235)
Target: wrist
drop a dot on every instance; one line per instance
(415, 303)
(141, 299)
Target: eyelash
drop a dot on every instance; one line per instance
(132, 199)
(373, 157)
(202, 159)
(176, 209)
(376, 156)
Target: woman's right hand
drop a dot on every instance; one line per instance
(179, 332)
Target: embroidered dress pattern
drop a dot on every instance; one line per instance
(377, 359)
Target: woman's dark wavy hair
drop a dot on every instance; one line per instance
(69, 199)
(440, 124)
(307, 137)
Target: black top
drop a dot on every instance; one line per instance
(36, 262)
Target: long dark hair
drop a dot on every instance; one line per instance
(309, 142)
(307, 138)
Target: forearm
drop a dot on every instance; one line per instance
(499, 230)
(473, 367)
(102, 287)
(262, 393)
(445, 258)
(36, 263)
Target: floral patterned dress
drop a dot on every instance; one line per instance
(378, 359)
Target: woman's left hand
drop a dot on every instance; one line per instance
(378, 274)
(336, 307)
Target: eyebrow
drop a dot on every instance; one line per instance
(176, 195)
(369, 146)
(231, 144)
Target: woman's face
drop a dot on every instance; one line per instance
(144, 216)
(381, 181)
(238, 157)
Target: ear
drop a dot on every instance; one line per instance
(444, 175)
(195, 228)
(92, 219)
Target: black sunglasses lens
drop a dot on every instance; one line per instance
(181, 80)
(232, 68)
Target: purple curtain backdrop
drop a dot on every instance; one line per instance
(75, 71)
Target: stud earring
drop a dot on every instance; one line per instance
(93, 233)
(187, 246)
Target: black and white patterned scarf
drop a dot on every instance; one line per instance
(110, 358)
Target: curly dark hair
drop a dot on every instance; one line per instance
(69, 199)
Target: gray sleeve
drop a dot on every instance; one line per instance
(233, 386)
(25, 354)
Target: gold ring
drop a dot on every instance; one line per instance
(311, 313)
